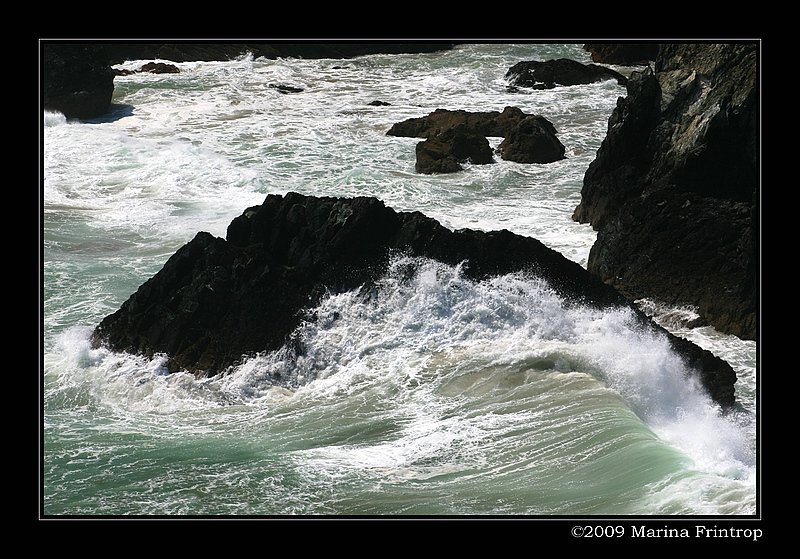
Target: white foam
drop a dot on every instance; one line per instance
(509, 318)
(120, 382)
(54, 118)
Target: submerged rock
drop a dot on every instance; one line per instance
(562, 71)
(673, 191)
(77, 79)
(378, 103)
(285, 89)
(216, 301)
(623, 54)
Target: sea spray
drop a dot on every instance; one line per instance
(436, 378)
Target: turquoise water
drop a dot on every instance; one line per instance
(441, 396)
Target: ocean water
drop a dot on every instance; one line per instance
(438, 395)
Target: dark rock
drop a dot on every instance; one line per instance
(216, 301)
(285, 89)
(445, 152)
(529, 138)
(623, 54)
(673, 190)
(123, 72)
(159, 68)
(490, 123)
(77, 79)
(614, 175)
(533, 140)
(378, 103)
(562, 71)
(189, 52)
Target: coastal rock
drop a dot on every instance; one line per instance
(285, 89)
(77, 79)
(622, 54)
(159, 68)
(673, 191)
(562, 71)
(533, 140)
(489, 123)
(218, 300)
(445, 152)
(528, 138)
(378, 103)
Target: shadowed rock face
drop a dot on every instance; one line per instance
(673, 191)
(562, 71)
(216, 300)
(623, 54)
(77, 79)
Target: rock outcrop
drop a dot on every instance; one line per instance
(673, 191)
(488, 123)
(159, 68)
(528, 138)
(533, 140)
(562, 71)
(623, 54)
(217, 300)
(445, 152)
(77, 79)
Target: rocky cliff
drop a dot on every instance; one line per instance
(674, 189)
(624, 54)
(76, 79)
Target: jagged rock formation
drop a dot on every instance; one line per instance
(673, 191)
(217, 300)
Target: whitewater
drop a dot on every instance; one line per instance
(433, 395)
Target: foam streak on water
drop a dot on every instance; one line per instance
(430, 394)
